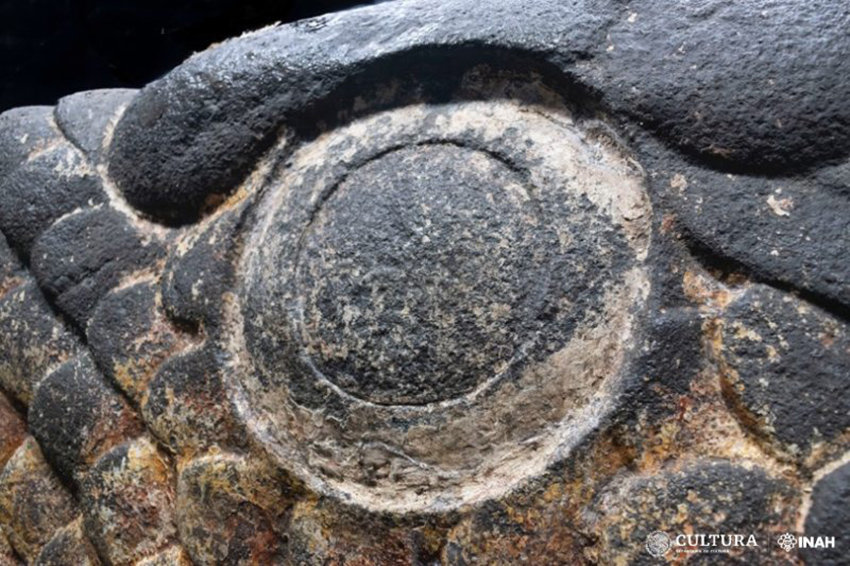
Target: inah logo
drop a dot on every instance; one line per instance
(658, 543)
(787, 542)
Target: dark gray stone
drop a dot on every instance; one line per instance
(9, 264)
(670, 359)
(56, 182)
(187, 405)
(491, 283)
(786, 231)
(128, 337)
(425, 273)
(198, 131)
(829, 516)
(753, 86)
(34, 341)
(23, 130)
(705, 497)
(791, 363)
(194, 277)
(85, 116)
(79, 259)
(76, 417)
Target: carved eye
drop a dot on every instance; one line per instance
(377, 289)
(435, 300)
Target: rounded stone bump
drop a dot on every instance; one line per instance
(829, 516)
(33, 502)
(80, 258)
(24, 131)
(232, 508)
(132, 481)
(185, 405)
(36, 342)
(46, 187)
(130, 338)
(785, 364)
(420, 276)
(423, 304)
(68, 546)
(87, 117)
(701, 496)
(77, 417)
(419, 292)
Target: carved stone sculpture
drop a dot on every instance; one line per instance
(438, 282)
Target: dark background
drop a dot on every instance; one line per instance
(50, 48)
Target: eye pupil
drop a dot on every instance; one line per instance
(418, 265)
(425, 278)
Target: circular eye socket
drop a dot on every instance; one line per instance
(438, 300)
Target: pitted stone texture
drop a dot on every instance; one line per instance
(85, 117)
(7, 554)
(671, 357)
(485, 146)
(791, 231)
(35, 342)
(701, 497)
(13, 430)
(68, 546)
(51, 184)
(234, 510)
(10, 267)
(24, 131)
(76, 417)
(186, 406)
(428, 269)
(322, 533)
(80, 258)
(433, 286)
(199, 130)
(699, 74)
(200, 271)
(829, 516)
(129, 338)
(128, 500)
(502, 534)
(33, 502)
(774, 109)
(172, 556)
(787, 367)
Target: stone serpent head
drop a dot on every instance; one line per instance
(424, 280)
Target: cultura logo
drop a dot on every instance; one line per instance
(658, 543)
(787, 542)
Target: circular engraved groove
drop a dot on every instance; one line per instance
(438, 301)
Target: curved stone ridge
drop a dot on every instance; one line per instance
(242, 93)
(658, 64)
(415, 277)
